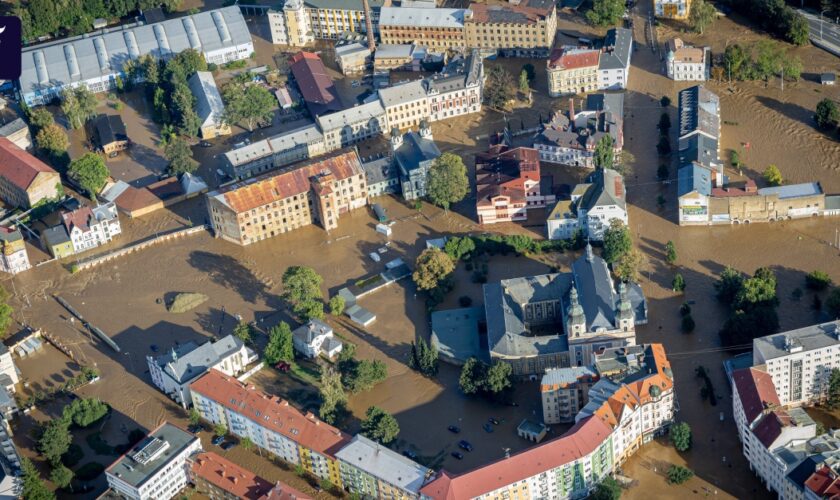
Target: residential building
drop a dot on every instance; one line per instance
(89, 60)
(271, 424)
(57, 241)
(301, 22)
(174, 371)
(353, 125)
(414, 153)
(686, 63)
(283, 149)
(592, 208)
(8, 371)
(353, 58)
(438, 29)
(508, 183)
(156, 468)
(565, 391)
(91, 227)
(524, 28)
(277, 26)
(672, 9)
(9, 455)
(372, 470)
(571, 138)
(25, 180)
(316, 86)
(208, 106)
(406, 104)
(457, 89)
(13, 256)
(382, 176)
(316, 338)
(310, 192)
(13, 128)
(699, 113)
(221, 479)
(614, 63)
(573, 71)
(560, 320)
(111, 134)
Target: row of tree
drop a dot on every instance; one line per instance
(491, 381)
(776, 17)
(761, 61)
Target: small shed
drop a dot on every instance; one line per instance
(828, 79)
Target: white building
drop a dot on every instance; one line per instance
(457, 90)
(352, 125)
(277, 27)
(13, 256)
(174, 371)
(672, 9)
(592, 208)
(156, 468)
(315, 338)
(95, 60)
(686, 63)
(372, 470)
(208, 105)
(8, 371)
(353, 58)
(406, 104)
(614, 63)
(91, 227)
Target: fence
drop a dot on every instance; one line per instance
(99, 333)
(95, 261)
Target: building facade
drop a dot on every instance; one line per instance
(509, 183)
(406, 104)
(301, 22)
(565, 391)
(573, 71)
(457, 90)
(353, 125)
(91, 227)
(13, 256)
(221, 479)
(209, 106)
(672, 9)
(316, 338)
(686, 63)
(414, 154)
(614, 63)
(25, 180)
(592, 208)
(525, 28)
(274, 152)
(438, 29)
(372, 470)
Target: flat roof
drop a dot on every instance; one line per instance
(809, 338)
(383, 463)
(793, 190)
(162, 444)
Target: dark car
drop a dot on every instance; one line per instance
(465, 445)
(228, 445)
(410, 454)
(194, 428)
(493, 420)
(454, 429)
(458, 455)
(218, 440)
(487, 428)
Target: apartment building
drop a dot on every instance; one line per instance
(277, 26)
(25, 180)
(312, 192)
(156, 468)
(271, 424)
(457, 90)
(283, 149)
(523, 29)
(221, 479)
(91, 227)
(406, 104)
(13, 256)
(686, 63)
(352, 125)
(209, 105)
(592, 208)
(304, 21)
(508, 183)
(573, 71)
(372, 470)
(614, 64)
(565, 391)
(672, 9)
(438, 29)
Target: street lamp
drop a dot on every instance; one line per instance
(821, 22)
(130, 360)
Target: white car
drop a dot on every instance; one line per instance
(375, 256)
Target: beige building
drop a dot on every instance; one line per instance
(524, 29)
(573, 71)
(278, 202)
(24, 179)
(304, 21)
(438, 29)
(352, 125)
(406, 104)
(209, 105)
(564, 391)
(283, 149)
(672, 9)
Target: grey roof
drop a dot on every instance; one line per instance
(566, 376)
(700, 148)
(618, 49)
(694, 177)
(192, 360)
(135, 472)
(416, 17)
(56, 235)
(803, 471)
(312, 330)
(809, 338)
(394, 51)
(595, 290)
(402, 93)
(285, 141)
(11, 127)
(793, 190)
(381, 462)
(414, 151)
(627, 364)
(598, 395)
(460, 73)
(110, 129)
(350, 116)
(359, 314)
(104, 52)
(105, 212)
(455, 333)
(606, 189)
(351, 49)
(208, 102)
(612, 102)
(380, 170)
(699, 111)
(832, 202)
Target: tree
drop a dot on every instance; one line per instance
(195, 416)
(792, 68)
(498, 377)
(220, 430)
(760, 289)
(680, 436)
(280, 346)
(768, 60)
(179, 154)
(524, 82)
(687, 324)
(33, 487)
(302, 289)
(530, 71)
(458, 248)
(380, 425)
(78, 105)
(606, 12)
(61, 476)
(448, 181)
(473, 374)
(333, 398)
(628, 265)
(84, 412)
(665, 101)
(728, 285)
(833, 401)
(617, 241)
(827, 115)
(817, 280)
(52, 139)
(607, 489)
(604, 156)
(664, 123)
(678, 474)
(248, 104)
(662, 172)
(832, 303)
(5, 311)
(773, 176)
(499, 88)
(183, 104)
(242, 331)
(735, 159)
(423, 358)
(670, 252)
(40, 118)
(89, 172)
(431, 267)
(363, 375)
(797, 32)
(55, 440)
(678, 284)
(701, 15)
(337, 305)
(663, 147)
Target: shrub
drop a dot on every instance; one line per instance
(680, 436)
(817, 280)
(678, 474)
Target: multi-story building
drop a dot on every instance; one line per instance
(96, 60)
(414, 153)
(274, 152)
(274, 203)
(13, 256)
(672, 9)
(304, 21)
(371, 470)
(406, 104)
(565, 391)
(173, 372)
(277, 26)
(573, 71)
(523, 29)
(209, 105)
(353, 58)
(221, 479)
(438, 29)
(271, 424)
(395, 57)
(456, 90)
(508, 184)
(13, 128)
(25, 180)
(156, 468)
(315, 85)
(614, 63)
(592, 208)
(686, 63)
(91, 227)
(316, 338)
(353, 125)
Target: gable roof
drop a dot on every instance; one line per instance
(19, 167)
(312, 330)
(694, 177)
(699, 111)
(192, 360)
(617, 49)
(208, 102)
(574, 58)
(110, 129)
(502, 172)
(228, 476)
(79, 218)
(756, 391)
(606, 189)
(415, 150)
(316, 86)
(596, 290)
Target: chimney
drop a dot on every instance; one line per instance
(369, 25)
(572, 114)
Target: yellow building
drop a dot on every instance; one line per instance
(572, 71)
(309, 20)
(437, 29)
(672, 9)
(526, 29)
(25, 180)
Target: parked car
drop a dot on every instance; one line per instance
(194, 428)
(228, 445)
(410, 454)
(458, 455)
(205, 144)
(218, 440)
(465, 445)
(283, 366)
(487, 428)
(454, 429)
(493, 420)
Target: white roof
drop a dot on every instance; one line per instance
(351, 116)
(394, 51)
(283, 142)
(381, 462)
(414, 16)
(209, 105)
(402, 93)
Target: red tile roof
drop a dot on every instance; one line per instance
(770, 427)
(271, 412)
(756, 390)
(824, 483)
(573, 59)
(528, 11)
(315, 84)
(77, 218)
(284, 492)
(18, 166)
(228, 476)
(502, 172)
(579, 441)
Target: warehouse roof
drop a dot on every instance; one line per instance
(416, 17)
(209, 105)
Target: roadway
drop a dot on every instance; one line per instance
(823, 33)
